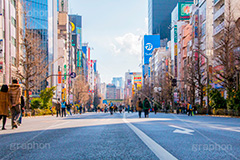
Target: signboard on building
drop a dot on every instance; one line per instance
(150, 42)
(1, 67)
(184, 10)
(79, 38)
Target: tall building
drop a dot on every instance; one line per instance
(76, 21)
(111, 91)
(8, 41)
(42, 19)
(118, 81)
(159, 17)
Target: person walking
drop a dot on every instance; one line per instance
(111, 108)
(58, 108)
(190, 110)
(155, 107)
(22, 109)
(15, 99)
(69, 108)
(63, 106)
(139, 107)
(146, 107)
(4, 105)
(120, 108)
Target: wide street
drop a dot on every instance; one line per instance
(122, 136)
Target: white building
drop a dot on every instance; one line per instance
(8, 41)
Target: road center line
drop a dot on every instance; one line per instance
(158, 150)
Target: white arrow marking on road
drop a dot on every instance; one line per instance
(182, 130)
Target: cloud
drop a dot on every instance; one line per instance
(127, 44)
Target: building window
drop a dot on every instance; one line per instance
(13, 21)
(14, 41)
(13, 61)
(13, 3)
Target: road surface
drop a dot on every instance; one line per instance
(122, 136)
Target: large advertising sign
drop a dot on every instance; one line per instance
(79, 38)
(150, 43)
(184, 10)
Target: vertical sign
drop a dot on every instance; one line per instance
(175, 49)
(65, 72)
(78, 58)
(59, 77)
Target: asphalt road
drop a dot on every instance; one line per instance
(122, 136)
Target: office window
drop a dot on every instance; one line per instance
(13, 3)
(14, 41)
(13, 21)
(13, 61)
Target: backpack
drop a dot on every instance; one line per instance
(147, 104)
(140, 105)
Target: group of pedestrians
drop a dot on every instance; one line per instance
(62, 108)
(11, 99)
(143, 107)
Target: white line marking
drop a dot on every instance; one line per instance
(182, 130)
(158, 150)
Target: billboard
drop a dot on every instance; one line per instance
(79, 38)
(184, 10)
(150, 42)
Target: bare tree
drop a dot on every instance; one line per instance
(33, 65)
(81, 88)
(225, 54)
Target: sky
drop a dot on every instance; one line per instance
(114, 29)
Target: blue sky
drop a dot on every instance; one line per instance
(114, 29)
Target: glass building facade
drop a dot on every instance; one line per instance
(159, 16)
(37, 17)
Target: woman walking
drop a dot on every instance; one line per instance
(139, 107)
(4, 105)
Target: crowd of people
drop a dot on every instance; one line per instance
(63, 108)
(11, 99)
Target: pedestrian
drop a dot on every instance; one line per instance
(63, 106)
(22, 109)
(139, 107)
(80, 109)
(155, 107)
(146, 107)
(190, 110)
(15, 99)
(58, 106)
(120, 108)
(69, 108)
(4, 105)
(111, 108)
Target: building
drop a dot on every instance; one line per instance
(111, 91)
(103, 90)
(159, 17)
(179, 16)
(118, 82)
(133, 82)
(9, 58)
(42, 19)
(76, 21)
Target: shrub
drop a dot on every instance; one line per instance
(36, 103)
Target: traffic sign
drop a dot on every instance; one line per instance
(73, 75)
